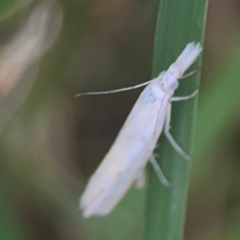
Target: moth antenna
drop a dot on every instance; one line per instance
(115, 91)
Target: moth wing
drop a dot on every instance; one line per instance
(127, 156)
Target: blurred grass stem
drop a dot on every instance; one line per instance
(179, 22)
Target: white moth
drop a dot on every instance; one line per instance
(125, 162)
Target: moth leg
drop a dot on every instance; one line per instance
(159, 172)
(141, 179)
(177, 99)
(170, 138)
(190, 74)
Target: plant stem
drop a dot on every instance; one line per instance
(179, 22)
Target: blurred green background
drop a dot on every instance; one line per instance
(51, 142)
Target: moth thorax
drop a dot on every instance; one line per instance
(169, 82)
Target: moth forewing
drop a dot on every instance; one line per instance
(128, 155)
(135, 143)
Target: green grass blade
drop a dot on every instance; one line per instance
(179, 22)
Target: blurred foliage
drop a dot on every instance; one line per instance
(51, 145)
(9, 7)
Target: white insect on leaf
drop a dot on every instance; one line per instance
(125, 162)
